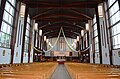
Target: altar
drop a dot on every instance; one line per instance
(61, 60)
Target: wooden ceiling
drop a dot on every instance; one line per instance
(54, 14)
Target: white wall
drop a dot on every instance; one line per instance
(25, 57)
(57, 47)
(91, 54)
(31, 56)
(116, 57)
(7, 58)
(97, 58)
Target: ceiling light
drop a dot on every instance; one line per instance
(44, 38)
(40, 32)
(87, 26)
(77, 38)
(82, 32)
(36, 26)
(47, 40)
(22, 10)
(100, 11)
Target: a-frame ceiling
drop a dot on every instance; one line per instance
(54, 14)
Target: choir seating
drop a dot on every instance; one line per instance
(28, 71)
(89, 71)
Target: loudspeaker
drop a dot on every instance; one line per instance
(70, 53)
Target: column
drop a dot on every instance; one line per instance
(14, 31)
(34, 57)
(119, 3)
(30, 40)
(24, 31)
(87, 38)
(99, 34)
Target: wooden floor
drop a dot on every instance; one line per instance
(88, 71)
(51, 70)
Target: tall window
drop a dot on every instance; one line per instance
(27, 35)
(7, 24)
(95, 35)
(114, 19)
(86, 40)
(36, 39)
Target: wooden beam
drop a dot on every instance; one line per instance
(56, 25)
(77, 12)
(62, 20)
(56, 35)
(71, 29)
(61, 15)
(24, 31)
(80, 4)
(40, 14)
(56, 31)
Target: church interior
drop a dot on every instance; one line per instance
(59, 39)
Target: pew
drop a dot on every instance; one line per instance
(29, 71)
(88, 71)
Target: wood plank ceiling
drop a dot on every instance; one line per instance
(70, 14)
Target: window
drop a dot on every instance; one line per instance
(7, 24)
(114, 19)
(36, 39)
(85, 41)
(95, 35)
(27, 35)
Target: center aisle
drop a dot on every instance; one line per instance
(61, 73)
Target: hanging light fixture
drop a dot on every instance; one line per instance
(82, 32)
(36, 26)
(77, 38)
(44, 38)
(100, 11)
(40, 32)
(49, 43)
(73, 44)
(87, 26)
(47, 40)
(22, 10)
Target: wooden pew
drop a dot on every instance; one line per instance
(88, 71)
(29, 71)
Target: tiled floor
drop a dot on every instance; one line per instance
(60, 73)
